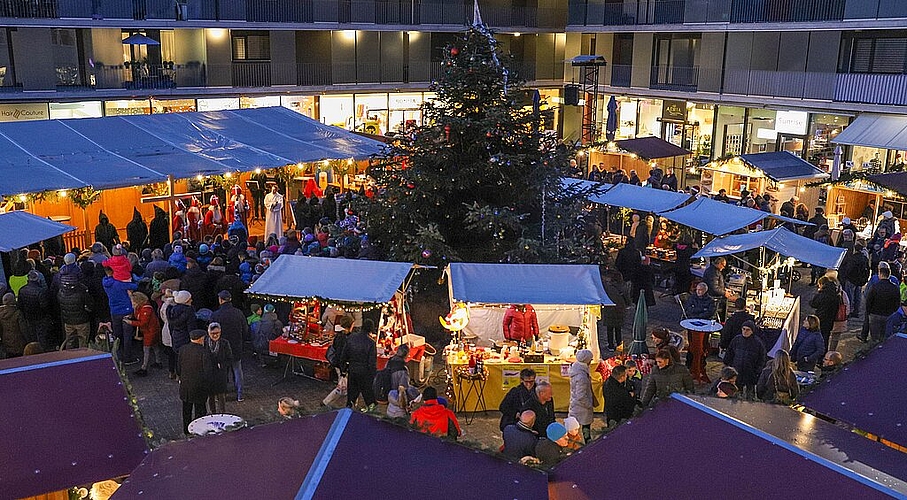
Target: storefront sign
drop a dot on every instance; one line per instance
(23, 112)
(791, 122)
(511, 375)
(674, 111)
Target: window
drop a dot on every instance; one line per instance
(440, 41)
(883, 53)
(251, 46)
(676, 61)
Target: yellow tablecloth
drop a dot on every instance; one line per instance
(495, 391)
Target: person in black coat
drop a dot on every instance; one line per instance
(235, 329)
(34, 303)
(734, 322)
(619, 404)
(222, 355)
(700, 305)
(195, 281)
(517, 398)
(181, 319)
(825, 303)
(628, 259)
(746, 353)
(75, 312)
(360, 356)
(644, 281)
(542, 403)
(882, 299)
(136, 231)
(329, 205)
(196, 372)
(159, 230)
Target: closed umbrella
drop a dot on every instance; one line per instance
(611, 125)
(836, 165)
(639, 327)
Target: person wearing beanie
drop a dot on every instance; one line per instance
(665, 339)
(619, 403)
(434, 418)
(196, 370)
(550, 448)
(69, 272)
(575, 438)
(582, 401)
(12, 327)
(119, 262)
(746, 353)
(34, 303)
(98, 253)
(181, 319)
(178, 259)
(204, 257)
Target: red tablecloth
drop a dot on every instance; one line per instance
(280, 345)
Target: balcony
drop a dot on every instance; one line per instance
(787, 84)
(620, 75)
(685, 79)
(871, 89)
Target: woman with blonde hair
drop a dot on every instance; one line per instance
(777, 383)
(809, 347)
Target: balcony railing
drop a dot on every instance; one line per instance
(790, 84)
(620, 75)
(675, 78)
(871, 89)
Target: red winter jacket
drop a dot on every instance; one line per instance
(147, 323)
(520, 325)
(433, 418)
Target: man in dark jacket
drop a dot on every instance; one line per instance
(136, 231)
(542, 404)
(12, 327)
(825, 304)
(181, 319)
(517, 398)
(195, 281)
(667, 377)
(105, 232)
(360, 356)
(854, 273)
(714, 278)
(34, 304)
(75, 311)
(700, 305)
(734, 322)
(196, 371)
(520, 439)
(234, 329)
(746, 353)
(619, 404)
(882, 299)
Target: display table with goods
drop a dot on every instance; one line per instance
(778, 320)
(507, 317)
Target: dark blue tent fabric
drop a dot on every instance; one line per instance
(19, 229)
(868, 393)
(779, 240)
(714, 217)
(344, 280)
(549, 284)
(640, 198)
(895, 181)
(125, 151)
(651, 148)
(783, 166)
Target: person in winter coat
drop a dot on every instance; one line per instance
(734, 322)
(196, 373)
(521, 323)
(882, 299)
(12, 327)
(105, 232)
(825, 304)
(159, 230)
(746, 353)
(628, 259)
(222, 355)
(166, 337)
(360, 356)
(137, 231)
(609, 331)
(266, 329)
(777, 383)
(181, 319)
(34, 303)
(195, 281)
(619, 403)
(667, 377)
(855, 274)
(119, 262)
(809, 348)
(520, 438)
(542, 404)
(235, 329)
(700, 305)
(634, 380)
(145, 319)
(75, 312)
(178, 259)
(434, 418)
(669, 341)
(582, 401)
(517, 398)
(644, 282)
(329, 205)
(120, 306)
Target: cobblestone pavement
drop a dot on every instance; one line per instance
(159, 402)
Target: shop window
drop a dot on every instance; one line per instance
(885, 53)
(251, 46)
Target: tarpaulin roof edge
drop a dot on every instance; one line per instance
(19, 229)
(778, 240)
(539, 284)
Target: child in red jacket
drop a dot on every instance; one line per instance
(434, 418)
(119, 262)
(145, 319)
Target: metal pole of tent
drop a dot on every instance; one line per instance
(170, 205)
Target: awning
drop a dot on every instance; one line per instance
(714, 217)
(640, 198)
(779, 240)
(895, 181)
(699, 431)
(781, 166)
(341, 280)
(547, 284)
(878, 131)
(65, 421)
(651, 148)
(342, 454)
(122, 151)
(868, 393)
(19, 229)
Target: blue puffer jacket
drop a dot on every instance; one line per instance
(181, 319)
(807, 350)
(747, 355)
(117, 296)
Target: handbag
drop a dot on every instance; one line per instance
(842, 308)
(782, 397)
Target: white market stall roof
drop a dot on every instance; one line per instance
(717, 218)
(779, 240)
(547, 284)
(878, 131)
(122, 151)
(19, 229)
(641, 198)
(341, 280)
(779, 166)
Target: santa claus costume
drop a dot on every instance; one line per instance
(239, 207)
(193, 220)
(214, 218)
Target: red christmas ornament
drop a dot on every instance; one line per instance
(411, 185)
(488, 134)
(454, 51)
(447, 132)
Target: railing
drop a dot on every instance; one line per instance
(146, 76)
(871, 89)
(674, 78)
(251, 74)
(79, 238)
(791, 84)
(620, 75)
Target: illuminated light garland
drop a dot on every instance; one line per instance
(786, 263)
(338, 305)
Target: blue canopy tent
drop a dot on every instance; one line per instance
(779, 240)
(19, 229)
(868, 393)
(714, 217)
(124, 151)
(640, 198)
(781, 166)
(336, 280)
(560, 294)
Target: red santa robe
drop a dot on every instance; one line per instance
(214, 219)
(193, 220)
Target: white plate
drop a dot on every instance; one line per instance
(215, 424)
(291, 341)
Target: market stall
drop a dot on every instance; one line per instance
(864, 198)
(777, 313)
(642, 154)
(717, 218)
(781, 174)
(322, 289)
(564, 302)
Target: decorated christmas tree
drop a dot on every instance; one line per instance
(480, 181)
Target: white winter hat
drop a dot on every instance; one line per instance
(182, 297)
(888, 214)
(571, 423)
(845, 220)
(584, 356)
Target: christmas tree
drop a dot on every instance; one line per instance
(479, 181)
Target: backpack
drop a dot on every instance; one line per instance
(382, 385)
(902, 325)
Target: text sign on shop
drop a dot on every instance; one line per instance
(23, 112)
(791, 122)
